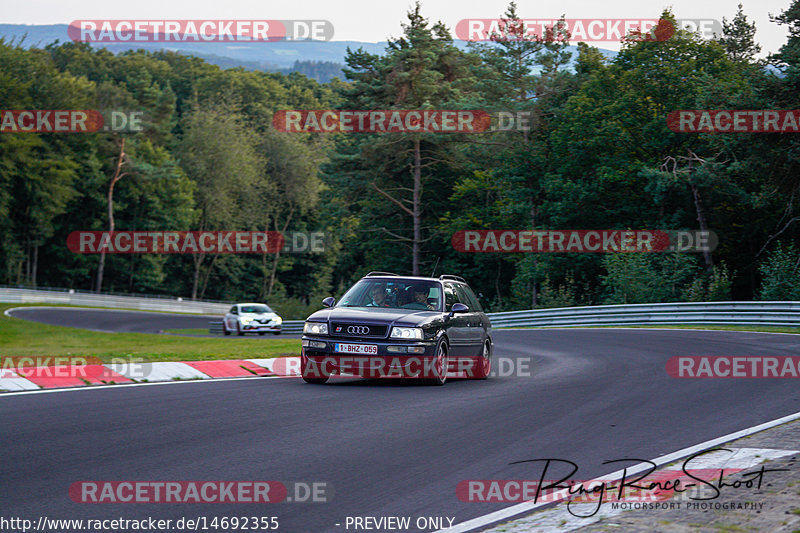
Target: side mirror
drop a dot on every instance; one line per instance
(329, 301)
(458, 308)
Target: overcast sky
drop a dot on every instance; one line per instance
(375, 20)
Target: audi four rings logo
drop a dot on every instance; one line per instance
(359, 330)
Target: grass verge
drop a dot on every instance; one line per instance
(21, 337)
(187, 331)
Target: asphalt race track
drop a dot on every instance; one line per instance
(110, 320)
(388, 448)
(113, 320)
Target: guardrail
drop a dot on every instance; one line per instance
(712, 313)
(743, 313)
(293, 326)
(289, 326)
(144, 303)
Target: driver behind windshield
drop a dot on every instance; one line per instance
(378, 295)
(420, 299)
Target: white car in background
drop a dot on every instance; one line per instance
(251, 318)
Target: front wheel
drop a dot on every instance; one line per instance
(484, 365)
(440, 363)
(239, 330)
(225, 329)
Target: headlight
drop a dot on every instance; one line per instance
(246, 320)
(406, 333)
(315, 328)
(277, 320)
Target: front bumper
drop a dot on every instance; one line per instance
(319, 357)
(257, 327)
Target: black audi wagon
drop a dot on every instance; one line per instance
(388, 325)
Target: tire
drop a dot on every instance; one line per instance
(239, 330)
(261, 333)
(225, 329)
(276, 332)
(484, 366)
(440, 364)
(304, 371)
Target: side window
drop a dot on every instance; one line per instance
(233, 311)
(475, 304)
(450, 296)
(463, 297)
(434, 297)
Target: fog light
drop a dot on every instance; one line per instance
(313, 344)
(396, 349)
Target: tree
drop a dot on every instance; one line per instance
(288, 188)
(781, 272)
(421, 70)
(219, 154)
(738, 38)
(122, 159)
(788, 57)
(634, 278)
(38, 171)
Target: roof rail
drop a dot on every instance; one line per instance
(456, 278)
(378, 273)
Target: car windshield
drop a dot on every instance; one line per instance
(394, 293)
(260, 308)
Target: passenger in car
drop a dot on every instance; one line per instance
(378, 295)
(420, 299)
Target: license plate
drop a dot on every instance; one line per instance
(356, 348)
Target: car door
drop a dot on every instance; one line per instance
(474, 330)
(457, 325)
(230, 318)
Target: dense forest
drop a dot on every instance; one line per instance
(599, 155)
(323, 71)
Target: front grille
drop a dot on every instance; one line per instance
(358, 330)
